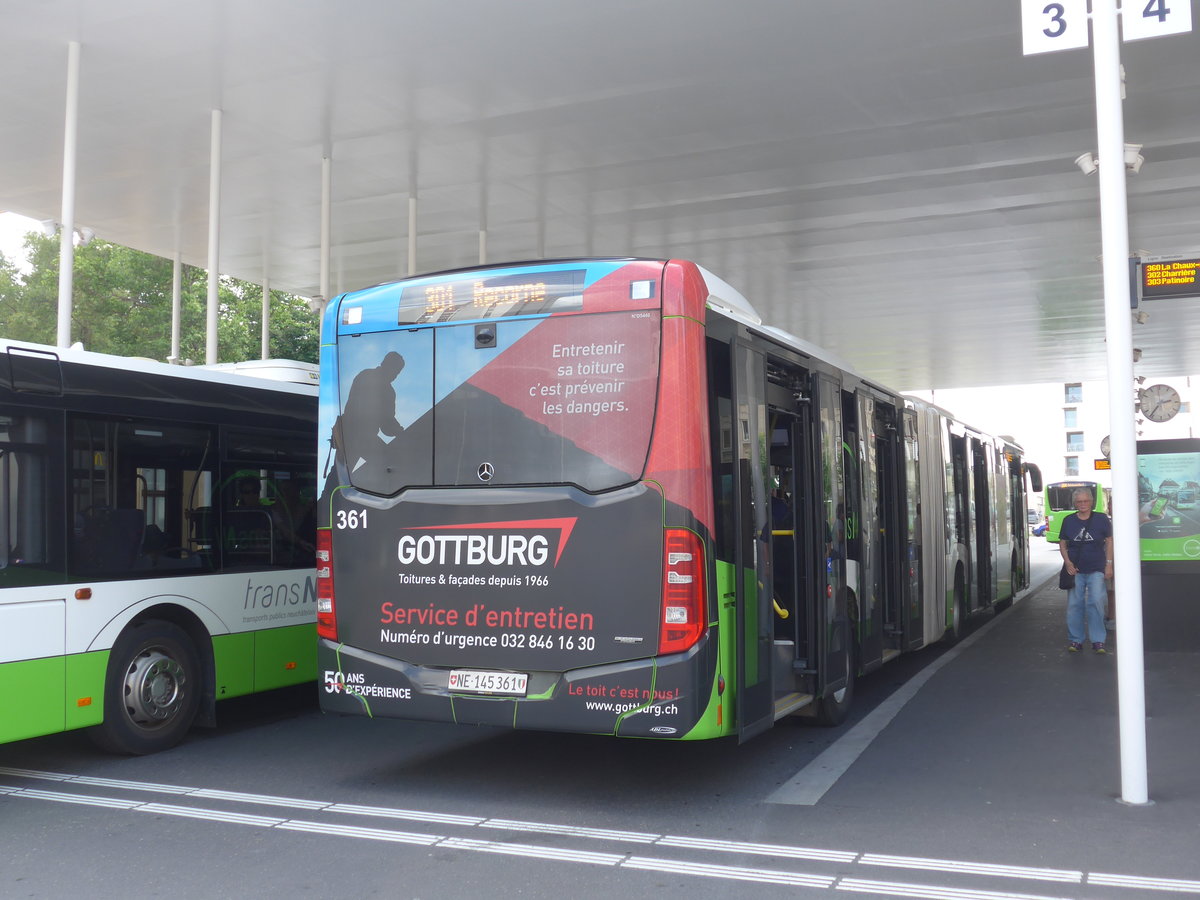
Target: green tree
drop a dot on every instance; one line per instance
(122, 305)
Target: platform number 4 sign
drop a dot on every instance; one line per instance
(1063, 24)
(1154, 18)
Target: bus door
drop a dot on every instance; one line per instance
(965, 519)
(913, 619)
(795, 555)
(891, 534)
(877, 584)
(981, 468)
(835, 613)
(752, 563)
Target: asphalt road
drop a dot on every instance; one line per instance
(282, 801)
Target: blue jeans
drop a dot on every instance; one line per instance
(1088, 596)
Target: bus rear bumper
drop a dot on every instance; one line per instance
(639, 698)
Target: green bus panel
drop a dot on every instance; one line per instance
(85, 689)
(285, 656)
(233, 655)
(31, 698)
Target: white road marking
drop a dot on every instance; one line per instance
(97, 782)
(413, 814)
(530, 850)
(974, 868)
(59, 797)
(262, 799)
(625, 860)
(213, 815)
(811, 783)
(930, 891)
(1174, 885)
(842, 856)
(372, 834)
(737, 873)
(606, 834)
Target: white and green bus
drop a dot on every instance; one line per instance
(156, 545)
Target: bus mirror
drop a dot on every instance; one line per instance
(1035, 477)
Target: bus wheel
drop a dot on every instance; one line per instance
(833, 709)
(957, 617)
(151, 692)
(1015, 578)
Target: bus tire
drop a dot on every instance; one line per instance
(1016, 578)
(958, 616)
(151, 692)
(1013, 580)
(833, 709)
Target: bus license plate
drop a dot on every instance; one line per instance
(489, 682)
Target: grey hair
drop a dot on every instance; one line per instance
(1084, 491)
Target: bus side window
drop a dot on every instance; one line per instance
(110, 541)
(27, 549)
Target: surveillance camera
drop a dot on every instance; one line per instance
(1087, 163)
(485, 336)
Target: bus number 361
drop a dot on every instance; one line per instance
(353, 518)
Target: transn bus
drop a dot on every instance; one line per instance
(602, 496)
(154, 547)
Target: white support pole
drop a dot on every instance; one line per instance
(176, 305)
(266, 318)
(66, 233)
(214, 240)
(326, 219)
(1114, 235)
(412, 235)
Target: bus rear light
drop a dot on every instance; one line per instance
(326, 614)
(683, 608)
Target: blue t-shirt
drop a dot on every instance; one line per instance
(1085, 540)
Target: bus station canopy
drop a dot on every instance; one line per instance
(893, 181)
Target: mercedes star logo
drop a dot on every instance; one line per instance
(485, 472)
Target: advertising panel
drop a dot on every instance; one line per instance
(1168, 484)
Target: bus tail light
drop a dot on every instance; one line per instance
(683, 612)
(326, 620)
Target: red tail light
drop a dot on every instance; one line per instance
(683, 609)
(326, 620)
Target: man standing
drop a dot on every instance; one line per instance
(1086, 547)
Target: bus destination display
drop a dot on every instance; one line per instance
(521, 294)
(1170, 278)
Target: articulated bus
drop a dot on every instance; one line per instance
(155, 553)
(1059, 502)
(602, 496)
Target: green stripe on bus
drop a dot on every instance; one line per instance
(85, 689)
(264, 660)
(285, 656)
(46, 696)
(31, 698)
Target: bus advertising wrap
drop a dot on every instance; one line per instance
(501, 589)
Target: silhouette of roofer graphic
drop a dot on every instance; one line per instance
(367, 426)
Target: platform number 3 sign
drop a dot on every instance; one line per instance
(1063, 24)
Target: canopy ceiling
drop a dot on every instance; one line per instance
(893, 181)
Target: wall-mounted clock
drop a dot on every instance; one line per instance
(1159, 402)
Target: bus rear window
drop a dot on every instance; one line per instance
(556, 400)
